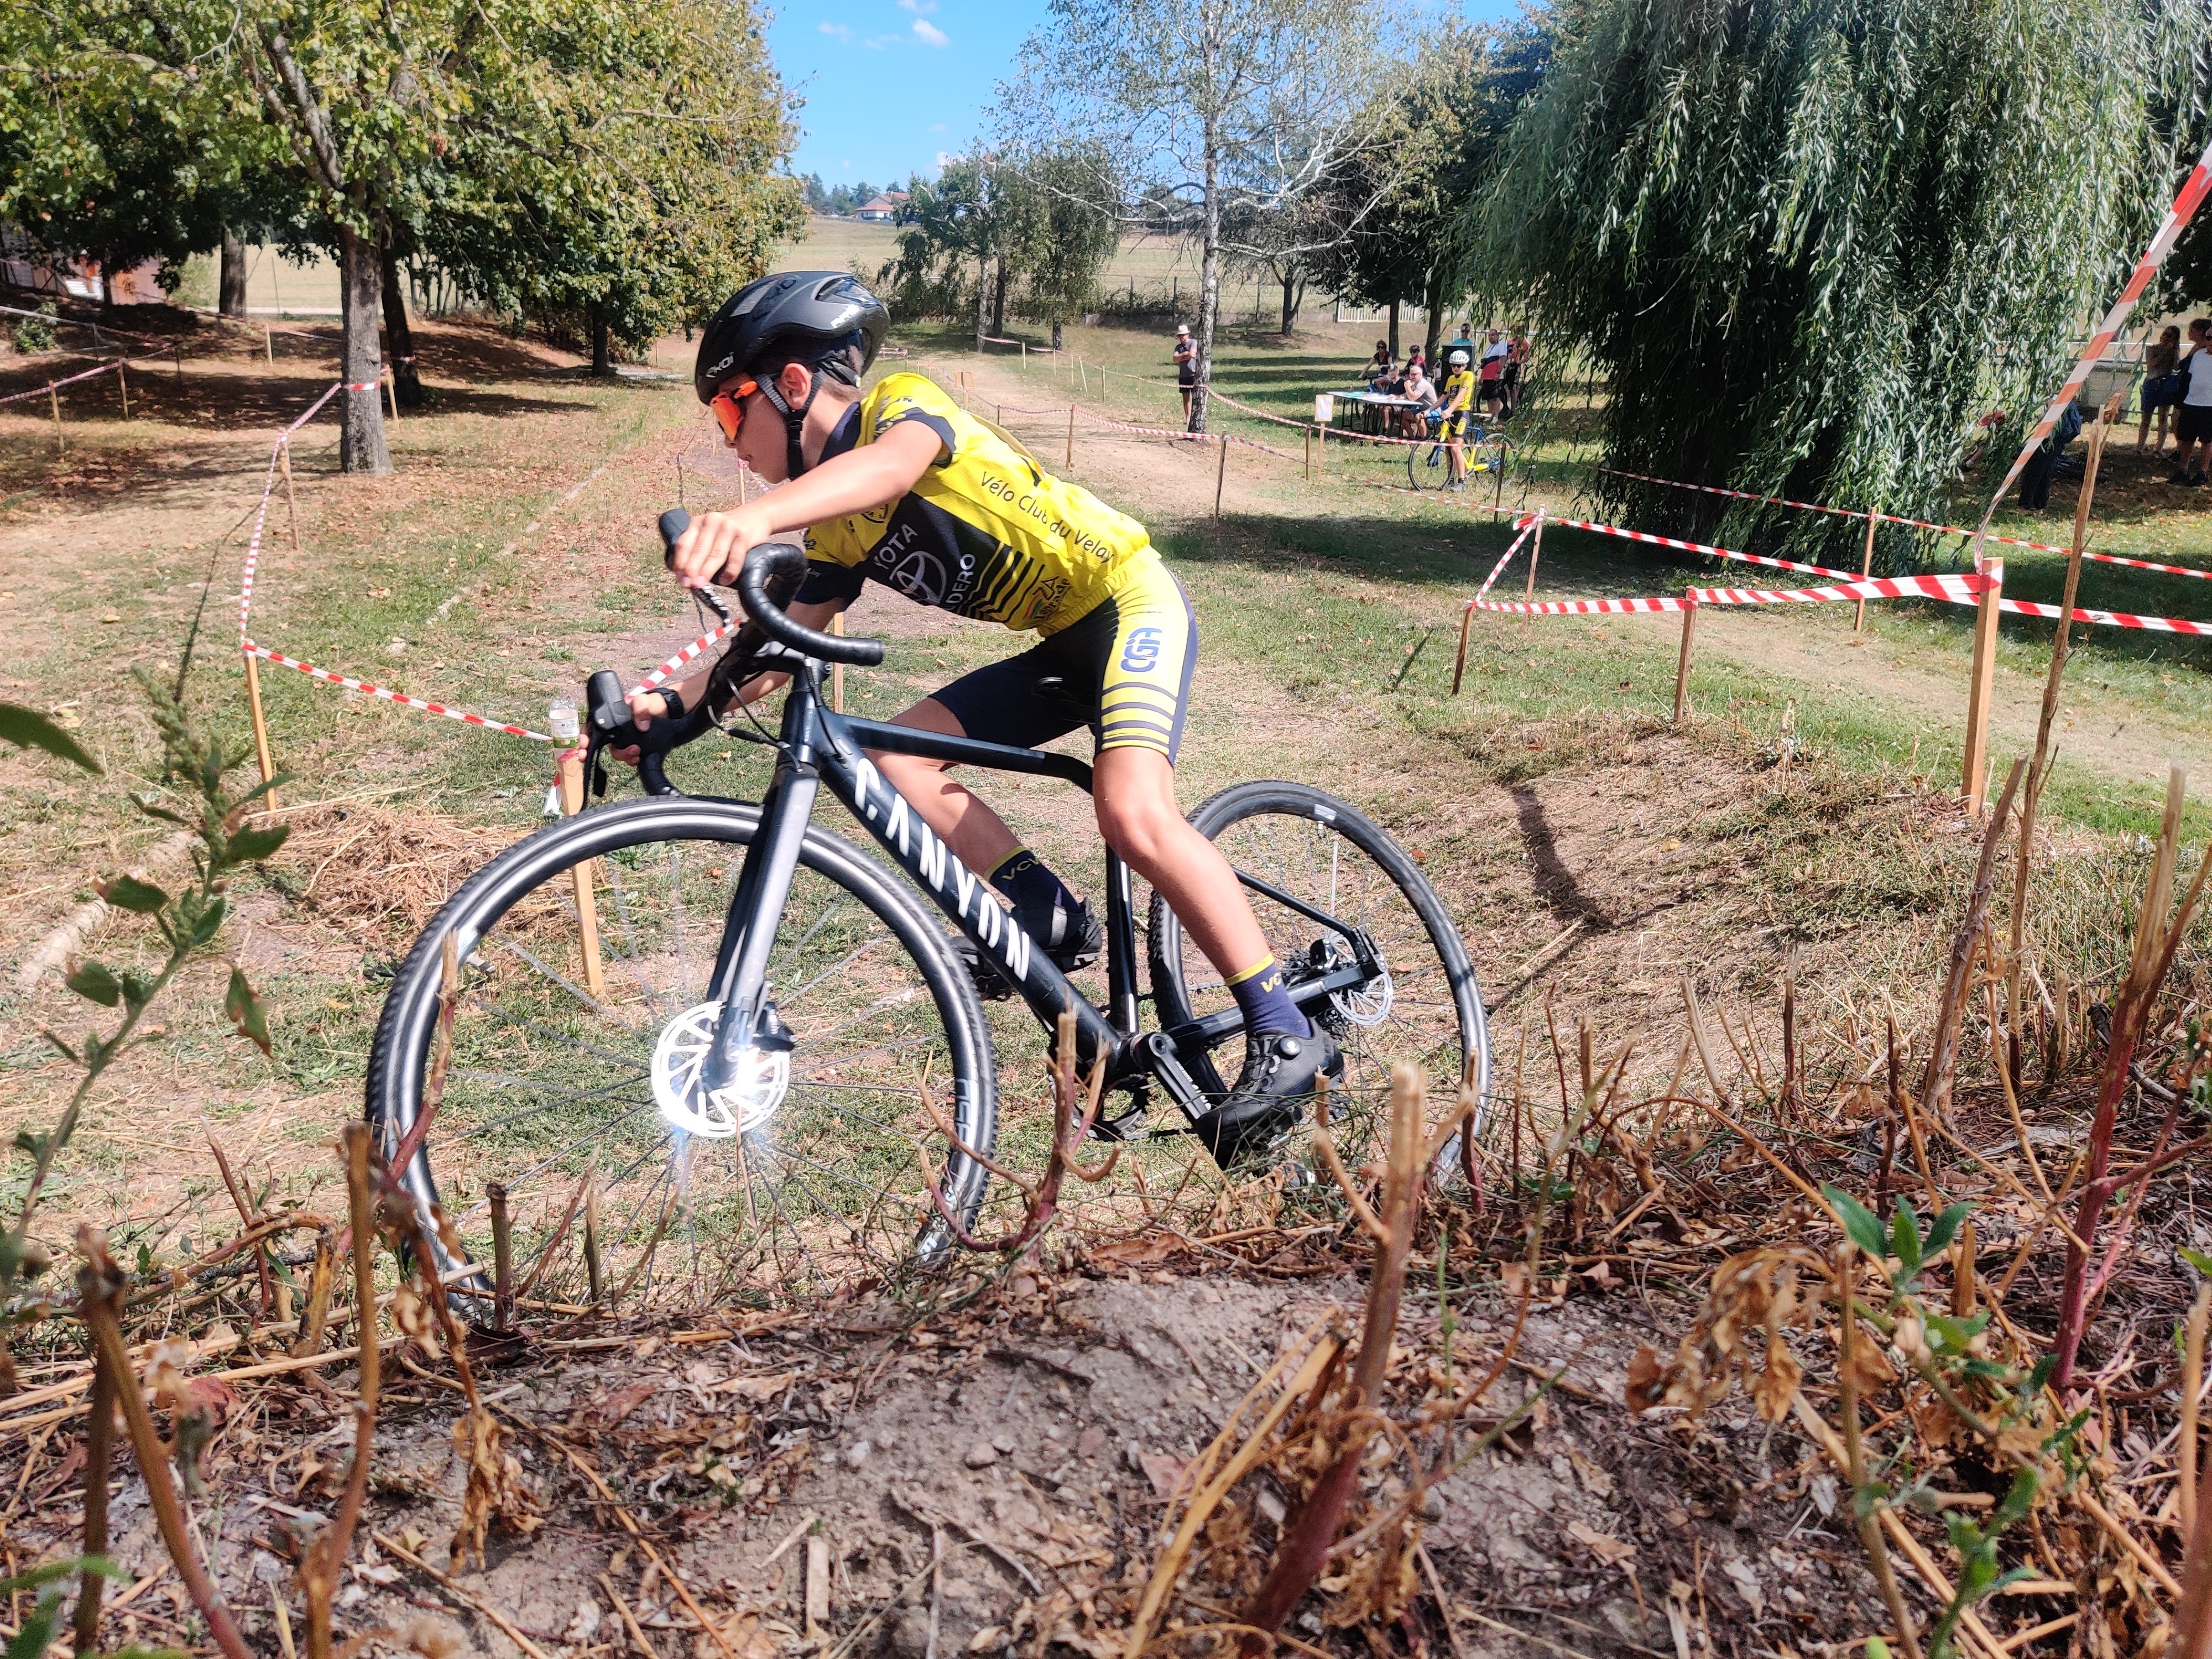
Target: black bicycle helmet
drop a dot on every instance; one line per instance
(825, 320)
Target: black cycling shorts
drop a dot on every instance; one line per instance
(1123, 668)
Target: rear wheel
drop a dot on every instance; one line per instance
(1417, 1002)
(807, 1171)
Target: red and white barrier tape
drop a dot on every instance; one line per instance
(1916, 523)
(2178, 215)
(689, 654)
(400, 697)
(1702, 546)
(261, 513)
(1526, 527)
(1959, 589)
(67, 379)
(1581, 607)
(2109, 618)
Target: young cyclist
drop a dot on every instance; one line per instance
(1458, 395)
(899, 485)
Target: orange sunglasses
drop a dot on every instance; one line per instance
(728, 413)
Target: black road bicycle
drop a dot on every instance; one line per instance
(743, 1106)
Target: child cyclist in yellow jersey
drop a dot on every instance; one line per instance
(899, 485)
(1458, 398)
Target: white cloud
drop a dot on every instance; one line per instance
(839, 32)
(944, 158)
(922, 7)
(937, 126)
(929, 34)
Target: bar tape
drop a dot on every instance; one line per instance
(388, 696)
(1916, 523)
(2183, 208)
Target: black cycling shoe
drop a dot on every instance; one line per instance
(1073, 938)
(1273, 1091)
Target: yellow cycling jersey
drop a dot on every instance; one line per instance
(984, 532)
(1459, 389)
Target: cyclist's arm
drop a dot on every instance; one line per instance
(852, 482)
(646, 704)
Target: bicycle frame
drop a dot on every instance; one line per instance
(817, 746)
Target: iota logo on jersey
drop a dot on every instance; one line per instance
(1140, 653)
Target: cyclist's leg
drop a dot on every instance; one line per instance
(1143, 694)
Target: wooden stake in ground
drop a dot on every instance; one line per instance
(1682, 662)
(1975, 782)
(1458, 663)
(123, 387)
(391, 393)
(1866, 569)
(260, 728)
(837, 669)
(1071, 435)
(268, 339)
(584, 877)
(1308, 453)
(1220, 478)
(54, 399)
(1535, 552)
(291, 506)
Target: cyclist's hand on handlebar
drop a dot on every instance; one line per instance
(715, 545)
(646, 705)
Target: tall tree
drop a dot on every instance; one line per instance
(1811, 243)
(1207, 110)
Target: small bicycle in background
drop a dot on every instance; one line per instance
(776, 1050)
(1485, 453)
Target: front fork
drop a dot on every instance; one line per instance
(740, 978)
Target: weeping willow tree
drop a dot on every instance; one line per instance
(1812, 243)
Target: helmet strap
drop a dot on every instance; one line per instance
(794, 420)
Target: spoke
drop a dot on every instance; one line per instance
(830, 972)
(557, 977)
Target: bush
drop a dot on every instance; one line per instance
(36, 333)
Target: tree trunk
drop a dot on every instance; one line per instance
(1293, 291)
(1209, 284)
(1394, 330)
(1436, 304)
(982, 298)
(998, 300)
(231, 294)
(399, 338)
(1056, 344)
(361, 414)
(603, 359)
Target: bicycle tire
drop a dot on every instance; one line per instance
(617, 1027)
(1449, 1039)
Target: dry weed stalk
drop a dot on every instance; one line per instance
(1342, 1444)
(100, 1284)
(2151, 960)
(1041, 1198)
(325, 1557)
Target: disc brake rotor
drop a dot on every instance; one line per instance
(679, 1058)
(1364, 1005)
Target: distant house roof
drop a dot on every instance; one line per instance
(884, 204)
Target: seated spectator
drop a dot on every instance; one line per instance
(1413, 422)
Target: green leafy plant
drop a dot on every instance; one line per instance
(36, 333)
(37, 1632)
(192, 794)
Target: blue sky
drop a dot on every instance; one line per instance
(890, 84)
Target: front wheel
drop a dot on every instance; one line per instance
(580, 1099)
(1336, 897)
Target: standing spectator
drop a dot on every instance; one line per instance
(1380, 369)
(1458, 395)
(2035, 477)
(1185, 362)
(2159, 390)
(1494, 353)
(2192, 416)
(1517, 361)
